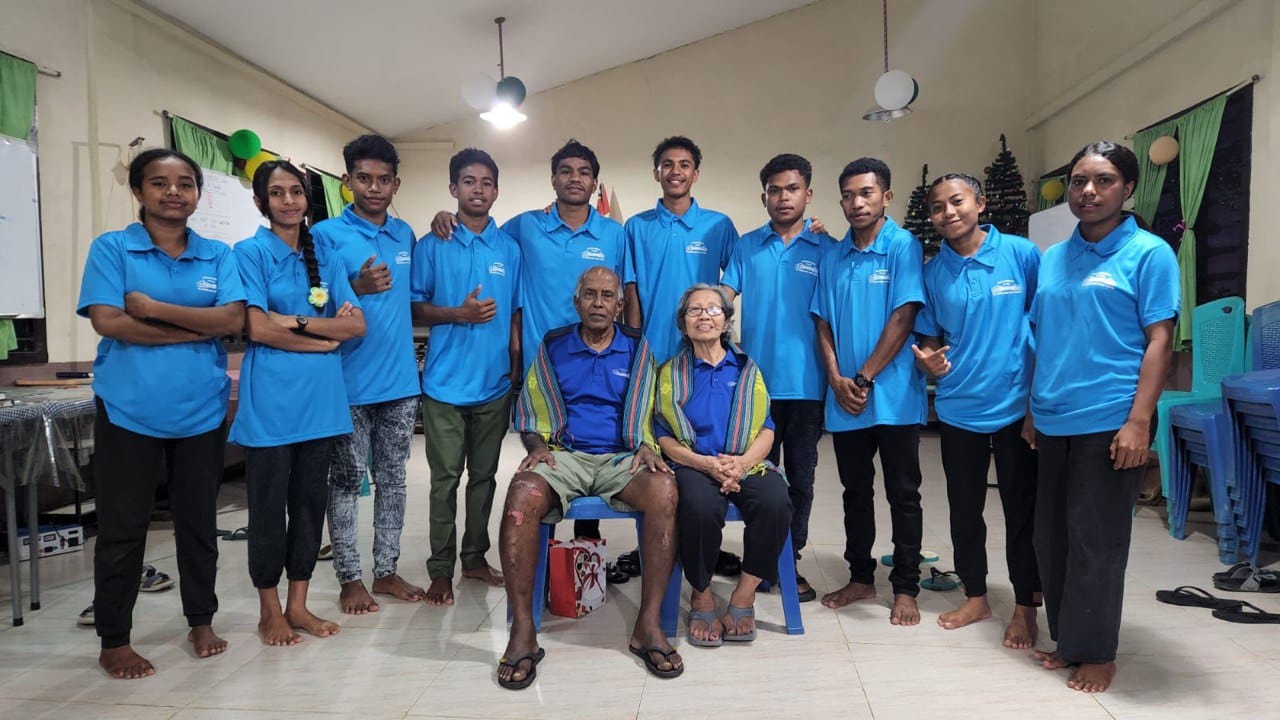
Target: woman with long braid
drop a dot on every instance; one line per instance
(292, 398)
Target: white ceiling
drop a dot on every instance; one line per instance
(403, 65)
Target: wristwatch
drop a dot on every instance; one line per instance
(302, 321)
(863, 381)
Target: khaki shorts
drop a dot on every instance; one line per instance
(579, 474)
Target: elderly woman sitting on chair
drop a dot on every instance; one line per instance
(713, 423)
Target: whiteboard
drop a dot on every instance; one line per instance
(1052, 226)
(226, 210)
(21, 274)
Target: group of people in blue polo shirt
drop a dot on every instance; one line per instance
(610, 349)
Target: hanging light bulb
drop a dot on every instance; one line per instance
(505, 113)
(895, 90)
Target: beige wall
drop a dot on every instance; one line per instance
(1238, 38)
(798, 82)
(140, 66)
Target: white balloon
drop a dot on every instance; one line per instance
(895, 90)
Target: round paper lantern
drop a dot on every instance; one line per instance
(244, 144)
(1052, 190)
(347, 196)
(252, 164)
(512, 90)
(896, 89)
(1163, 150)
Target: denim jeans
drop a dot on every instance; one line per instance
(380, 442)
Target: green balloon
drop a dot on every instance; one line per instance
(244, 144)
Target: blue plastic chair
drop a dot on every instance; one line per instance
(1202, 437)
(1251, 402)
(1264, 345)
(593, 508)
(1218, 350)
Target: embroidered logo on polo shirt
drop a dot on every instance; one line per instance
(402, 257)
(207, 284)
(808, 267)
(879, 277)
(622, 373)
(1006, 287)
(1099, 279)
(697, 247)
(593, 253)
(498, 268)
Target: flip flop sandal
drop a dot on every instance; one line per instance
(629, 563)
(926, 557)
(326, 553)
(1254, 616)
(534, 658)
(939, 581)
(737, 614)
(241, 533)
(806, 595)
(615, 575)
(153, 580)
(710, 618)
(1240, 569)
(1192, 596)
(1262, 581)
(728, 564)
(646, 654)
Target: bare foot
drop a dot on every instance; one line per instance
(905, 611)
(356, 600)
(395, 585)
(124, 663)
(1092, 677)
(519, 645)
(485, 574)
(973, 610)
(440, 592)
(302, 619)
(850, 593)
(1022, 630)
(1050, 660)
(205, 642)
(276, 631)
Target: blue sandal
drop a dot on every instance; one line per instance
(710, 617)
(737, 614)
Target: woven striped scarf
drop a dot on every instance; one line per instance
(747, 413)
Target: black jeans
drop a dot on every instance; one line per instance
(765, 508)
(127, 468)
(899, 448)
(293, 479)
(797, 427)
(966, 456)
(1084, 519)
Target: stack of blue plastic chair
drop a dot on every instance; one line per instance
(1252, 404)
(1218, 350)
(1202, 437)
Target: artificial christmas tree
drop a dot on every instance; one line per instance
(1006, 194)
(917, 217)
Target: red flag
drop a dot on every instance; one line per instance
(602, 204)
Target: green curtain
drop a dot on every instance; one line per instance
(333, 201)
(8, 338)
(17, 96)
(1146, 196)
(1197, 137)
(208, 150)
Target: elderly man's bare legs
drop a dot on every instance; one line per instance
(654, 494)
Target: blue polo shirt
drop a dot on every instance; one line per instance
(776, 282)
(593, 386)
(857, 291)
(553, 256)
(165, 391)
(978, 305)
(1089, 318)
(468, 364)
(710, 400)
(288, 397)
(667, 253)
(380, 366)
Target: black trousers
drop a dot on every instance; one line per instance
(966, 456)
(797, 427)
(765, 507)
(899, 448)
(127, 468)
(1084, 519)
(293, 480)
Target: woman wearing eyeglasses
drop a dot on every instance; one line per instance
(713, 424)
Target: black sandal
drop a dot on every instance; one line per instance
(534, 658)
(1192, 596)
(646, 654)
(615, 575)
(629, 563)
(1254, 616)
(728, 564)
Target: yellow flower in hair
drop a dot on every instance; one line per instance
(318, 296)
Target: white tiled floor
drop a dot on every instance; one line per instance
(423, 662)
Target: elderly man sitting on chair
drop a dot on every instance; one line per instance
(585, 417)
